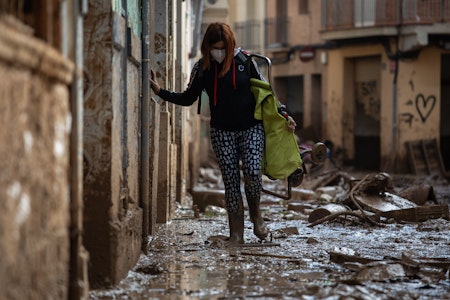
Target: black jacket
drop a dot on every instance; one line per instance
(231, 101)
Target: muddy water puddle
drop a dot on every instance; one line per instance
(181, 263)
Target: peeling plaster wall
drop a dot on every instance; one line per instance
(335, 98)
(418, 100)
(34, 184)
(97, 152)
(112, 216)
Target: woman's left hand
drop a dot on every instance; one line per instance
(153, 83)
(291, 124)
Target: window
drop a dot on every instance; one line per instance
(364, 13)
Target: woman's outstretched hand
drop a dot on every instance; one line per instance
(153, 83)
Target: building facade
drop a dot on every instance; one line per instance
(368, 75)
(40, 186)
(93, 162)
(389, 88)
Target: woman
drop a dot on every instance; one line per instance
(235, 134)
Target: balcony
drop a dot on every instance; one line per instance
(276, 32)
(344, 19)
(248, 35)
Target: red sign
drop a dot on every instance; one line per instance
(307, 54)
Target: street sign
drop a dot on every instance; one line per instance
(307, 54)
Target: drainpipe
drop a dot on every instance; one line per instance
(145, 120)
(394, 89)
(394, 112)
(198, 13)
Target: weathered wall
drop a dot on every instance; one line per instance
(34, 190)
(341, 90)
(164, 40)
(417, 98)
(112, 216)
(97, 139)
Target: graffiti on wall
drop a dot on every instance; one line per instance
(424, 106)
(367, 96)
(407, 118)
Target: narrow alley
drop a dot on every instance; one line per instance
(110, 188)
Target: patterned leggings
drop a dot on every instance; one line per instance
(230, 147)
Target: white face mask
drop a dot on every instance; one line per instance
(218, 55)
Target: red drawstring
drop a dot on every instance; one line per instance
(215, 84)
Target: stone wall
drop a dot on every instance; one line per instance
(112, 215)
(34, 149)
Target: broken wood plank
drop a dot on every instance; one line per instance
(425, 157)
(359, 214)
(419, 214)
(325, 210)
(341, 258)
(443, 263)
(383, 203)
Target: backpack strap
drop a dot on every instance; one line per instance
(246, 60)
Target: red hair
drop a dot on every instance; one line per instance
(217, 32)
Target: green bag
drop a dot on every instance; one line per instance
(281, 155)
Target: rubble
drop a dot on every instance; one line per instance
(326, 210)
(374, 196)
(391, 269)
(371, 199)
(344, 245)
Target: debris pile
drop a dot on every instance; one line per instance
(338, 196)
(366, 269)
(373, 199)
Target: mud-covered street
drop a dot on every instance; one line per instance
(343, 258)
(116, 114)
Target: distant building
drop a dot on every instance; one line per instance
(368, 75)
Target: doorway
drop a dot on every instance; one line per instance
(445, 111)
(366, 115)
(290, 91)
